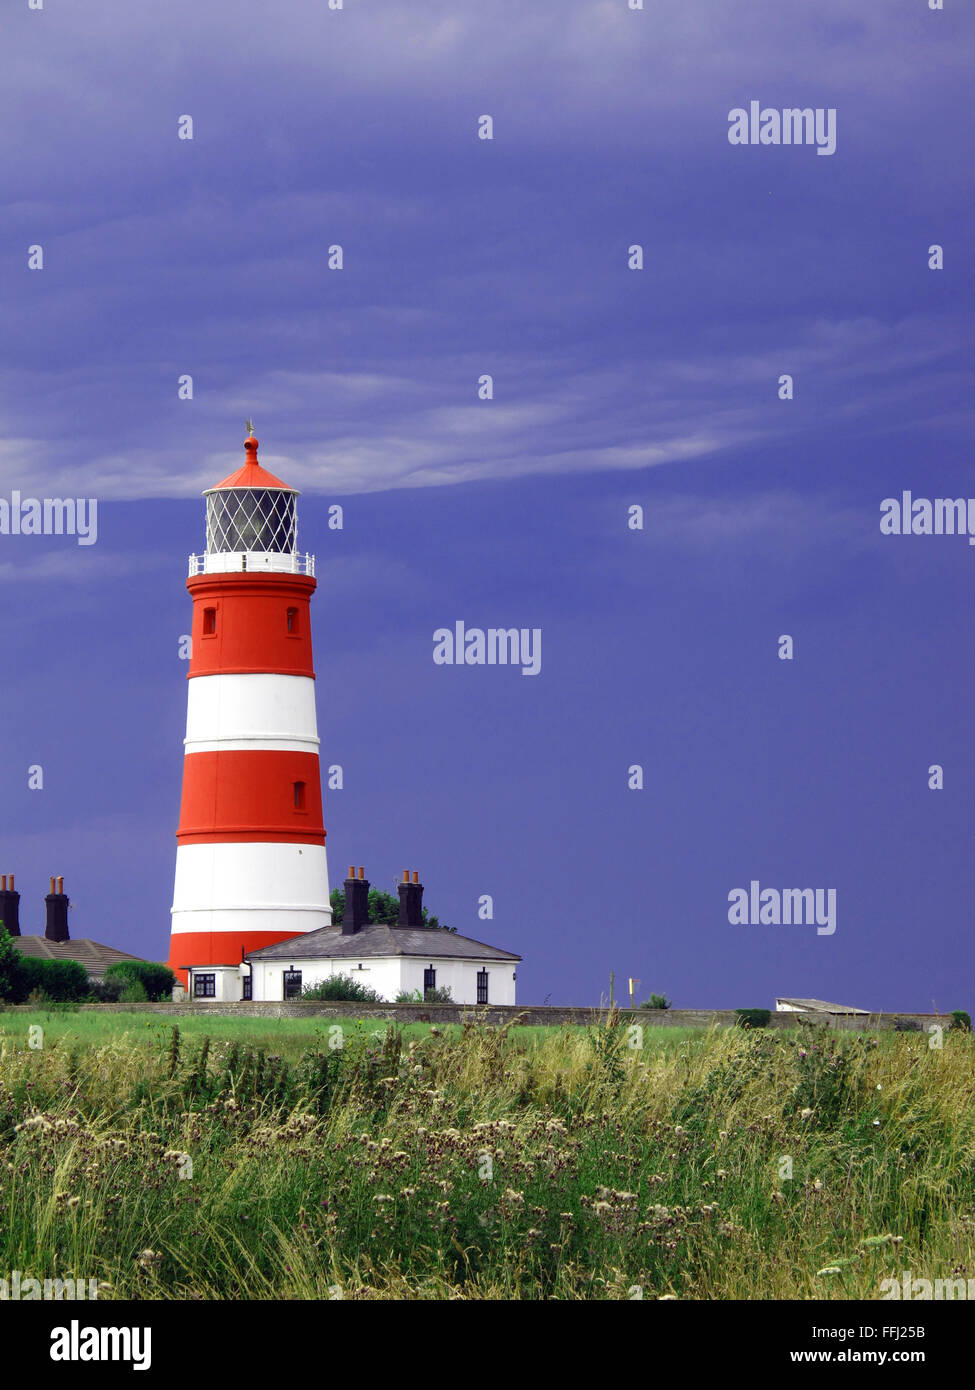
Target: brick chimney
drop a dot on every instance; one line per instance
(57, 912)
(9, 905)
(410, 901)
(356, 914)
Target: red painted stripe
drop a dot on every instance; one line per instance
(247, 631)
(216, 948)
(249, 795)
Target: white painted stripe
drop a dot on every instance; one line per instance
(238, 882)
(258, 706)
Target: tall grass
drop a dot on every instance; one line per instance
(477, 1165)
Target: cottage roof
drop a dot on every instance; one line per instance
(377, 939)
(93, 955)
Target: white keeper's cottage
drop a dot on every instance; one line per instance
(391, 960)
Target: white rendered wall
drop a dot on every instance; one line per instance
(391, 975)
(241, 886)
(227, 985)
(460, 977)
(382, 975)
(251, 711)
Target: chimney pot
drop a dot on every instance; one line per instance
(416, 876)
(11, 883)
(3, 883)
(60, 883)
(362, 872)
(52, 883)
(351, 871)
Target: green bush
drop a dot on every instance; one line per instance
(430, 996)
(134, 993)
(437, 996)
(157, 980)
(962, 1020)
(753, 1018)
(342, 989)
(9, 957)
(656, 1001)
(54, 980)
(106, 991)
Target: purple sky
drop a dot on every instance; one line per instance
(612, 388)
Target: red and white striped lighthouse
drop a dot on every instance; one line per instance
(250, 862)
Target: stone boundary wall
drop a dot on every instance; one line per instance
(532, 1015)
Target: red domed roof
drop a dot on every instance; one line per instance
(251, 474)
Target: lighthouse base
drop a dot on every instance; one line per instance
(225, 948)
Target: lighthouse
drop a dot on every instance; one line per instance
(250, 861)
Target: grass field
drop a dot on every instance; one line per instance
(252, 1159)
(288, 1038)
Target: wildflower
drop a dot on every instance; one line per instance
(805, 1114)
(382, 1197)
(74, 1201)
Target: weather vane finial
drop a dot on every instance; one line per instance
(250, 428)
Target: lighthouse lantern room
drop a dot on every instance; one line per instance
(250, 861)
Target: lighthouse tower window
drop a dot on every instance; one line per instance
(299, 788)
(293, 621)
(209, 622)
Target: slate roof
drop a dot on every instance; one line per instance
(819, 1006)
(95, 957)
(377, 939)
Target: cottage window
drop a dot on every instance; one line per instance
(292, 984)
(248, 987)
(429, 979)
(482, 987)
(204, 986)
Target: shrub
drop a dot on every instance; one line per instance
(656, 1001)
(134, 993)
(437, 996)
(106, 991)
(342, 989)
(9, 956)
(409, 996)
(753, 1018)
(962, 1020)
(54, 980)
(156, 979)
